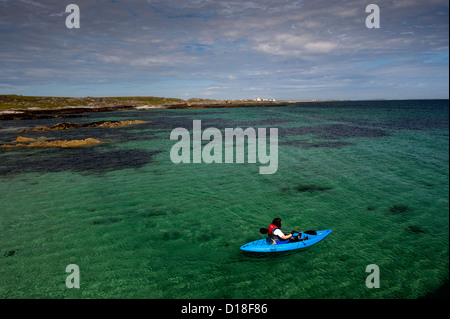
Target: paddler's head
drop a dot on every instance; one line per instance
(277, 222)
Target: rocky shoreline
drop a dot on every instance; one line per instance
(62, 112)
(15, 107)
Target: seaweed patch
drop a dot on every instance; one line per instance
(307, 189)
(9, 253)
(335, 131)
(157, 213)
(89, 161)
(108, 220)
(318, 144)
(414, 229)
(398, 209)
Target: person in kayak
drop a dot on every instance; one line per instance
(276, 236)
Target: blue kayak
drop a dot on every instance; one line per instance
(263, 245)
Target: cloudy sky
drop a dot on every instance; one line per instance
(283, 49)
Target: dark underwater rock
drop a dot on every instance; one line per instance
(68, 125)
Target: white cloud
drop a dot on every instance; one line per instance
(293, 45)
(33, 3)
(320, 47)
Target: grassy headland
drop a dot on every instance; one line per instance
(17, 107)
(49, 102)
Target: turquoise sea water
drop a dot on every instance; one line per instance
(139, 226)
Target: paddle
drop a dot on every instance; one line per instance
(308, 232)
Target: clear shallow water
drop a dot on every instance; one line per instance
(139, 226)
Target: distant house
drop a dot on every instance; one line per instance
(264, 100)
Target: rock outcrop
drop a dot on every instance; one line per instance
(40, 143)
(22, 140)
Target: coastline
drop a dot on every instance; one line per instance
(13, 107)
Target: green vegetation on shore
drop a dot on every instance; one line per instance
(19, 107)
(11, 102)
(48, 102)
